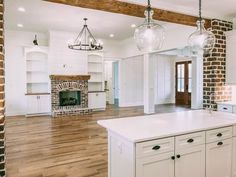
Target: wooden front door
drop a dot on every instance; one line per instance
(183, 83)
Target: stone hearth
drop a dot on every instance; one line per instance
(61, 83)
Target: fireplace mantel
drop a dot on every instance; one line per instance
(70, 77)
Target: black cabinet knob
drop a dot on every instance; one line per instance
(190, 140)
(173, 157)
(178, 156)
(219, 135)
(156, 147)
(220, 143)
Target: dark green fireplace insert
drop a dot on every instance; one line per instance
(70, 98)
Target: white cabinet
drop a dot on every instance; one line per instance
(38, 104)
(158, 165)
(162, 158)
(219, 158)
(225, 108)
(190, 162)
(97, 100)
(230, 57)
(234, 158)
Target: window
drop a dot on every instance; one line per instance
(190, 77)
(180, 77)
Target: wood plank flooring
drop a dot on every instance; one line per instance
(63, 147)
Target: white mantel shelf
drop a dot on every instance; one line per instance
(143, 128)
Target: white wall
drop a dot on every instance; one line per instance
(15, 69)
(165, 79)
(234, 23)
(131, 80)
(61, 61)
(175, 37)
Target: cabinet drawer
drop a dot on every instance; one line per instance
(234, 133)
(225, 108)
(154, 147)
(219, 134)
(190, 140)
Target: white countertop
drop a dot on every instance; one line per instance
(143, 128)
(232, 103)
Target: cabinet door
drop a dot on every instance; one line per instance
(97, 100)
(234, 158)
(219, 159)
(44, 104)
(190, 162)
(154, 166)
(32, 104)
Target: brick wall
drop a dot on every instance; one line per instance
(214, 66)
(2, 95)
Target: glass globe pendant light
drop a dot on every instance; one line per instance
(201, 39)
(149, 36)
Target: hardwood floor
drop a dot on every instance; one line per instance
(63, 147)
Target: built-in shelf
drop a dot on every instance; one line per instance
(37, 79)
(96, 71)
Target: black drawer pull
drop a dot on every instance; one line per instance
(225, 108)
(178, 156)
(190, 140)
(219, 135)
(220, 143)
(173, 157)
(156, 147)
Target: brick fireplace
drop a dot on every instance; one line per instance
(69, 95)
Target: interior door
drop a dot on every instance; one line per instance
(219, 159)
(183, 83)
(159, 165)
(190, 162)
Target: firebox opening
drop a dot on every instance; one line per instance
(70, 98)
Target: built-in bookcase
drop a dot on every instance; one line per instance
(96, 71)
(37, 79)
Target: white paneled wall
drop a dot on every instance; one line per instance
(63, 60)
(131, 80)
(165, 81)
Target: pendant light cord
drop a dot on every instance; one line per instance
(149, 10)
(200, 10)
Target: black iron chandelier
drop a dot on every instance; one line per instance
(85, 40)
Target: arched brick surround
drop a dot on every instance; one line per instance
(69, 83)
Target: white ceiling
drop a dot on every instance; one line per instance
(43, 16)
(223, 9)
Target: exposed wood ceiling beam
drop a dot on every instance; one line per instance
(130, 9)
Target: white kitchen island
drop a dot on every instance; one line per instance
(183, 144)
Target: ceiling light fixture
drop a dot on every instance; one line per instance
(111, 35)
(201, 39)
(149, 36)
(20, 25)
(85, 40)
(21, 9)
